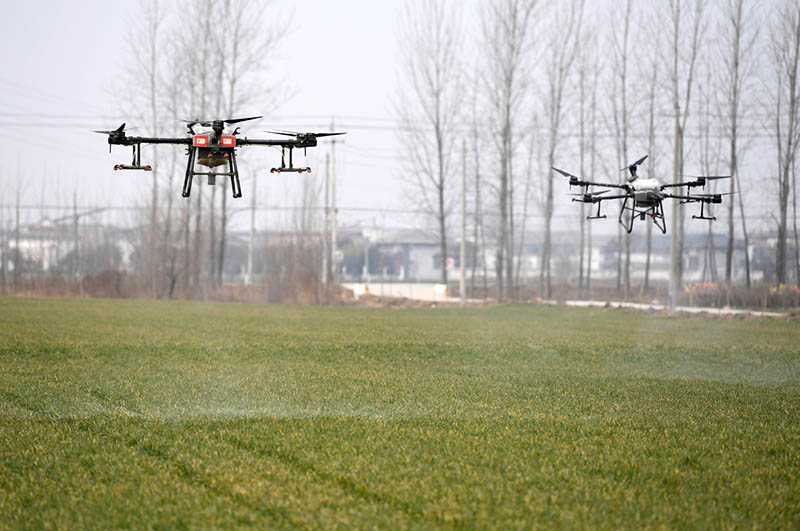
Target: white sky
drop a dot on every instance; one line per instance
(61, 59)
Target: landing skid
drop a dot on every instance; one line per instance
(290, 168)
(136, 163)
(131, 167)
(598, 215)
(297, 170)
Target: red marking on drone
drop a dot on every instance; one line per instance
(200, 141)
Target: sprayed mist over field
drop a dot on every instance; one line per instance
(248, 362)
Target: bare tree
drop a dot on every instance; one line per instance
(745, 235)
(710, 147)
(247, 45)
(587, 77)
(142, 90)
(477, 217)
(170, 248)
(683, 53)
(739, 32)
(652, 102)
(428, 105)
(526, 199)
(794, 223)
(621, 45)
(785, 59)
(506, 38)
(563, 49)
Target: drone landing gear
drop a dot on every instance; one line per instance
(297, 170)
(702, 213)
(136, 163)
(655, 212)
(290, 167)
(597, 216)
(233, 173)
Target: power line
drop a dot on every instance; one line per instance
(295, 208)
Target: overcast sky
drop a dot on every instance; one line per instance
(62, 59)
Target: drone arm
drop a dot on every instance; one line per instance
(606, 197)
(706, 198)
(267, 142)
(578, 182)
(597, 198)
(134, 140)
(678, 185)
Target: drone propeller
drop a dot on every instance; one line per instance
(635, 164)
(209, 123)
(119, 131)
(292, 133)
(632, 168)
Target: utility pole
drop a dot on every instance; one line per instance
(333, 201)
(462, 281)
(249, 275)
(17, 261)
(77, 244)
(326, 248)
(674, 250)
(3, 251)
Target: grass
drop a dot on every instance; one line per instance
(172, 415)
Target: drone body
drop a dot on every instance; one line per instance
(213, 143)
(644, 198)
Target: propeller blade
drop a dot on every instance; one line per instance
(292, 133)
(120, 129)
(318, 135)
(564, 173)
(237, 120)
(709, 177)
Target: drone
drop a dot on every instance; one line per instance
(213, 143)
(643, 197)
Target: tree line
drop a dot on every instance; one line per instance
(590, 87)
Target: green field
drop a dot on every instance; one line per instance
(169, 414)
